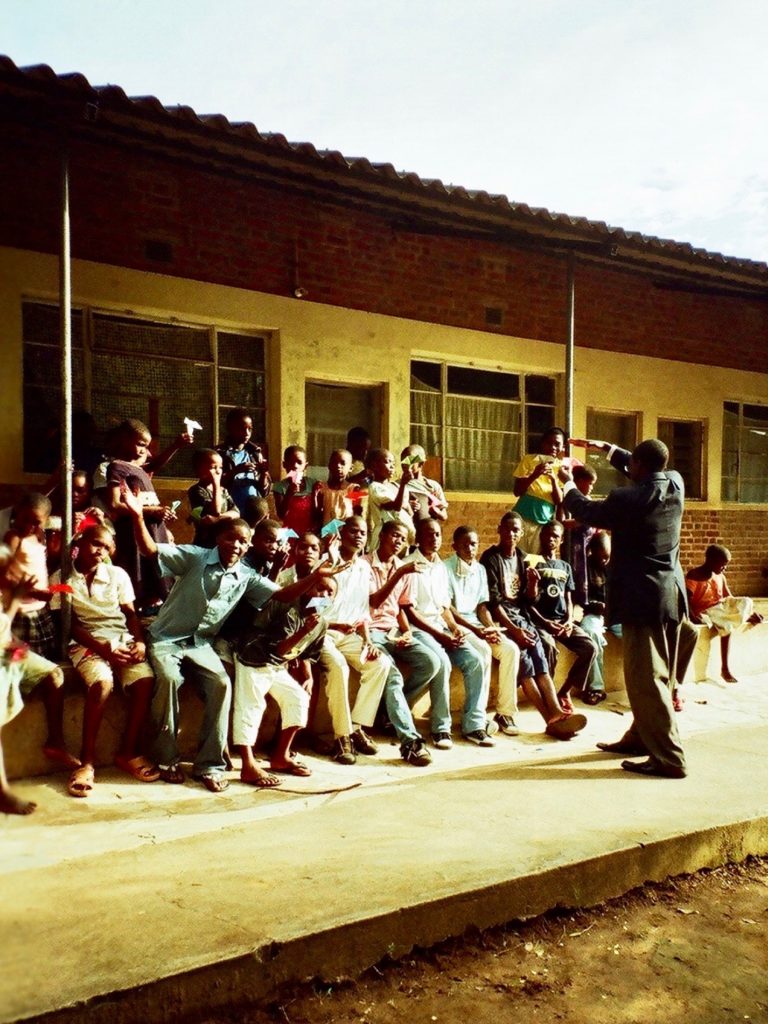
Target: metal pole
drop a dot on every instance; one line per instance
(65, 337)
(569, 345)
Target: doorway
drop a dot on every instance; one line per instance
(332, 410)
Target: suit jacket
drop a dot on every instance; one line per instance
(646, 583)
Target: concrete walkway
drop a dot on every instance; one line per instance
(146, 902)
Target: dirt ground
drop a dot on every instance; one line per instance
(694, 949)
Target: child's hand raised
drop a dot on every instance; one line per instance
(168, 513)
(130, 501)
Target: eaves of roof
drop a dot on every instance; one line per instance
(412, 202)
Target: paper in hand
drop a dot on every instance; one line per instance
(285, 533)
(332, 527)
(319, 604)
(191, 426)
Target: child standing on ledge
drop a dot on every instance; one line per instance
(712, 603)
(245, 468)
(537, 489)
(294, 498)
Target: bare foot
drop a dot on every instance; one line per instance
(61, 756)
(258, 777)
(755, 619)
(729, 678)
(12, 804)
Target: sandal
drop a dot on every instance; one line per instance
(81, 781)
(172, 774)
(263, 781)
(214, 783)
(138, 768)
(293, 766)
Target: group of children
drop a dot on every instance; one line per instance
(351, 576)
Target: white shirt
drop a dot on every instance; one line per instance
(350, 602)
(98, 609)
(469, 586)
(430, 590)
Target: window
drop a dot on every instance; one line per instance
(478, 422)
(685, 440)
(620, 428)
(745, 452)
(127, 367)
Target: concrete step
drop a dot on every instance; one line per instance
(151, 902)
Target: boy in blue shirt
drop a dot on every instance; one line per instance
(209, 584)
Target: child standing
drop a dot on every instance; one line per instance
(245, 468)
(537, 488)
(712, 604)
(386, 499)
(426, 497)
(131, 443)
(333, 498)
(294, 495)
(210, 503)
(107, 642)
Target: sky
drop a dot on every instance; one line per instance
(647, 114)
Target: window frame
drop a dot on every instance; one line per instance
(91, 349)
(603, 466)
(702, 423)
(739, 480)
(441, 428)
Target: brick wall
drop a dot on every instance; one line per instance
(229, 230)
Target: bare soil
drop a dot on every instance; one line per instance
(693, 949)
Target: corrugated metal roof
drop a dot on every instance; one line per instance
(517, 215)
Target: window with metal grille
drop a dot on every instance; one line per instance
(124, 366)
(621, 429)
(478, 422)
(685, 440)
(745, 453)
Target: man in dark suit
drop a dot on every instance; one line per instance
(646, 593)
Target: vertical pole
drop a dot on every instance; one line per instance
(569, 345)
(65, 338)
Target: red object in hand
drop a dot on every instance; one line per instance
(60, 588)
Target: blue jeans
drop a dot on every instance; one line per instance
(470, 664)
(205, 672)
(594, 626)
(427, 671)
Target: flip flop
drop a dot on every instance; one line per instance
(138, 768)
(81, 781)
(265, 781)
(172, 774)
(565, 728)
(214, 783)
(294, 767)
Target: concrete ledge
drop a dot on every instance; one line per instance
(23, 737)
(155, 902)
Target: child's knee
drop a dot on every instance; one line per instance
(100, 689)
(55, 679)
